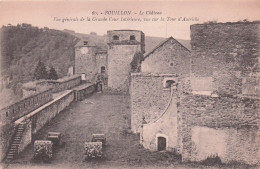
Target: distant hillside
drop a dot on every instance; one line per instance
(24, 45)
(150, 42)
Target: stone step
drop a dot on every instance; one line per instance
(10, 157)
(20, 130)
(15, 144)
(13, 150)
(11, 153)
(20, 127)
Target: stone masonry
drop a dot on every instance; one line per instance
(229, 53)
(122, 46)
(217, 101)
(168, 57)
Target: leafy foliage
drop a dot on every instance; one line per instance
(24, 45)
(40, 71)
(136, 62)
(52, 74)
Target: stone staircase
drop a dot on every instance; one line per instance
(13, 149)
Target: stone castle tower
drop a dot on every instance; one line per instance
(122, 46)
(90, 60)
(85, 59)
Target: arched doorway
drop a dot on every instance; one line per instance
(161, 143)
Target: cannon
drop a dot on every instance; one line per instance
(93, 150)
(56, 138)
(43, 149)
(99, 138)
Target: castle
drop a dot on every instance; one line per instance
(203, 103)
(199, 103)
(112, 66)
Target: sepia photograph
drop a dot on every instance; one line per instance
(129, 84)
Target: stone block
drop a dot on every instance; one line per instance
(43, 149)
(93, 150)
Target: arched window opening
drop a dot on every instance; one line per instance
(169, 83)
(6, 114)
(103, 69)
(85, 43)
(132, 37)
(115, 37)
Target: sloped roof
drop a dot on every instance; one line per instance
(90, 44)
(81, 43)
(161, 44)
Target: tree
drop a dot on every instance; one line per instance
(52, 74)
(136, 62)
(40, 71)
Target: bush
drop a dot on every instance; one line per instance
(212, 160)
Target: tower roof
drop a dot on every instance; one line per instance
(161, 44)
(84, 42)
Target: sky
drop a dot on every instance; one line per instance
(46, 13)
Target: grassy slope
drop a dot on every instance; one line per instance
(23, 46)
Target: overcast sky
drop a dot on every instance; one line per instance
(42, 14)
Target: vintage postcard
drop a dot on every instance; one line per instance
(130, 84)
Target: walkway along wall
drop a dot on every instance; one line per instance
(20, 108)
(37, 119)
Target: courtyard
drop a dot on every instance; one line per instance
(101, 113)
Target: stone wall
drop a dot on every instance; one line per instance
(230, 144)
(44, 114)
(119, 68)
(226, 52)
(124, 38)
(200, 116)
(101, 60)
(83, 91)
(7, 132)
(27, 136)
(85, 61)
(169, 57)
(35, 121)
(149, 97)
(64, 83)
(24, 106)
(164, 126)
